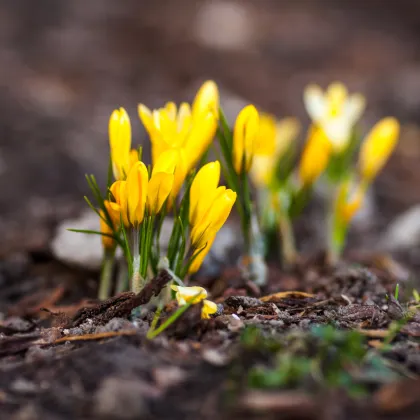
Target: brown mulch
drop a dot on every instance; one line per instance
(96, 362)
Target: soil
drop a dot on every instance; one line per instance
(88, 359)
(64, 355)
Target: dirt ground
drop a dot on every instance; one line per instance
(67, 67)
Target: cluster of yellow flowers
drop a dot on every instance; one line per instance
(260, 149)
(136, 203)
(179, 138)
(329, 147)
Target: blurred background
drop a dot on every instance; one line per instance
(64, 66)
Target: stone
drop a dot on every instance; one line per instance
(403, 232)
(120, 398)
(78, 249)
(224, 25)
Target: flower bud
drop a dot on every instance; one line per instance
(377, 147)
(245, 134)
(315, 157)
(120, 143)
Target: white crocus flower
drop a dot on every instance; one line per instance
(334, 111)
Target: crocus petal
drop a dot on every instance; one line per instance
(206, 100)
(377, 147)
(200, 253)
(120, 142)
(215, 216)
(245, 133)
(171, 110)
(160, 186)
(348, 203)
(315, 156)
(265, 143)
(200, 137)
(209, 308)
(136, 192)
(338, 131)
(183, 120)
(262, 170)
(134, 157)
(202, 190)
(114, 211)
(107, 241)
(354, 107)
(336, 95)
(315, 102)
(147, 118)
(191, 294)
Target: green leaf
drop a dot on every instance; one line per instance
(286, 164)
(126, 248)
(299, 200)
(226, 129)
(89, 203)
(90, 232)
(181, 251)
(110, 176)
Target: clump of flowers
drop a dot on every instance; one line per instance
(258, 163)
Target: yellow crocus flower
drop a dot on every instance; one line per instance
(194, 295)
(161, 182)
(114, 211)
(214, 217)
(274, 139)
(134, 157)
(206, 100)
(107, 241)
(160, 186)
(334, 111)
(348, 203)
(120, 143)
(377, 147)
(118, 208)
(203, 189)
(315, 157)
(187, 130)
(209, 308)
(189, 294)
(210, 207)
(245, 135)
(136, 192)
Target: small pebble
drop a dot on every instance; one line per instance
(119, 398)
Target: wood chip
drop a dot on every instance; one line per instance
(286, 295)
(98, 336)
(286, 402)
(374, 333)
(397, 396)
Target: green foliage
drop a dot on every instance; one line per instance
(324, 357)
(289, 371)
(253, 338)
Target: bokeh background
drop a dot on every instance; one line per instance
(64, 66)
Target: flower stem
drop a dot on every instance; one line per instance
(122, 279)
(288, 248)
(106, 274)
(336, 232)
(153, 333)
(253, 264)
(136, 279)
